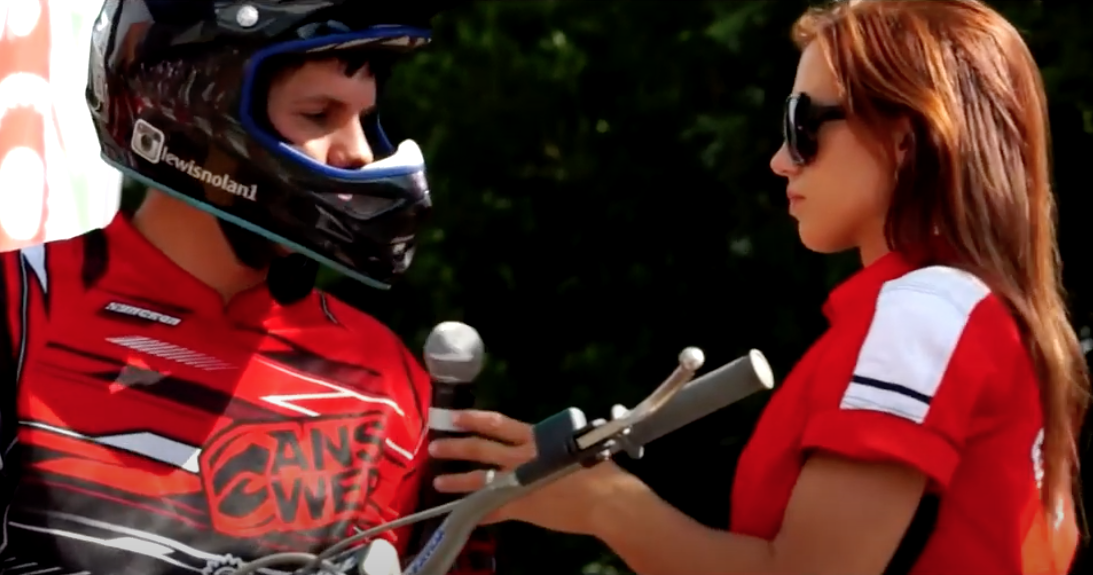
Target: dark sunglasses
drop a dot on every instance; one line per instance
(801, 124)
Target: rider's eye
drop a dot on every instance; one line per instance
(318, 117)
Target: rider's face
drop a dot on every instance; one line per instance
(317, 107)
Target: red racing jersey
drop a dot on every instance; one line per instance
(923, 367)
(150, 429)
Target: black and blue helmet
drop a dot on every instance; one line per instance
(177, 94)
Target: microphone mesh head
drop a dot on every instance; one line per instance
(454, 352)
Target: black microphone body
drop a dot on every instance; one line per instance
(448, 398)
(454, 356)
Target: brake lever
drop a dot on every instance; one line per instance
(690, 361)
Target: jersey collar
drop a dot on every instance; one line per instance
(147, 266)
(863, 287)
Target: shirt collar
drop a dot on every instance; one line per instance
(144, 266)
(864, 286)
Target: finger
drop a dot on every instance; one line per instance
(493, 424)
(460, 482)
(482, 450)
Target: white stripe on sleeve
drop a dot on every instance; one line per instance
(918, 322)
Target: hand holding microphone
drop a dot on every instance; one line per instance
(454, 357)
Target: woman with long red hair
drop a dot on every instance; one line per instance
(932, 428)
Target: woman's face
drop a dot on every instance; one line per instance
(840, 196)
(317, 108)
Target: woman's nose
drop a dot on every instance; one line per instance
(781, 164)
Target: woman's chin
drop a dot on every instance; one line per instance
(821, 241)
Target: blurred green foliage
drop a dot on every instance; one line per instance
(603, 199)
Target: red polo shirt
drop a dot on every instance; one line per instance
(923, 367)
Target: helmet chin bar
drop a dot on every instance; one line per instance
(292, 276)
(402, 161)
(258, 252)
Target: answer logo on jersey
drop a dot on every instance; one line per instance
(150, 143)
(292, 476)
(130, 310)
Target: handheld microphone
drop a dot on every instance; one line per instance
(454, 356)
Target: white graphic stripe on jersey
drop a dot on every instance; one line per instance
(7, 510)
(35, 569)
(35, 256)
(13, 566)
(285, 401)
(171, 352)
(405, 453)
(918, 322)
(136, 541)
(122, 543)
(291, 402)
(143, 443)
(337, 393)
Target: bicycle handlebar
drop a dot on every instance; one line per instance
(564, 443)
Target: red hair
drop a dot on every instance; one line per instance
(977, 175)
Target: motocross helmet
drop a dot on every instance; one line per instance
(177, 93)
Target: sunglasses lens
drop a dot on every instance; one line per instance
(800, 137)
(790, 129)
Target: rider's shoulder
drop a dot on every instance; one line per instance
(352, 319)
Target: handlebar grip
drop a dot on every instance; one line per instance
(553, 444)
(719, 388)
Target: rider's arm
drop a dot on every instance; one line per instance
(10, 333)
(25, 281)
(22, 295)
(410, 488)
(22, 301)
(11, 328)
(408, 498)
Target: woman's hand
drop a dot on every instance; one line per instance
(567, 505)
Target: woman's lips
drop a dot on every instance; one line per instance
(794, 199)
